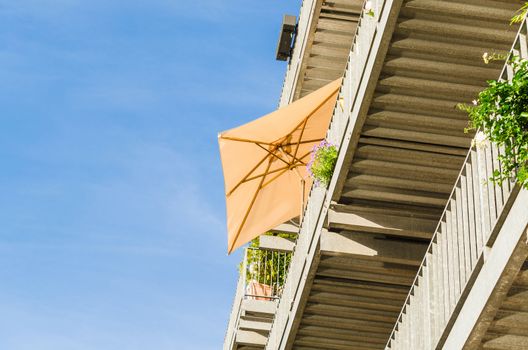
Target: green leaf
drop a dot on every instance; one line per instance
(501, 113)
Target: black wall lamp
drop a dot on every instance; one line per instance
(286, 38)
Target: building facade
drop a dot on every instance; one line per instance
(410, 246)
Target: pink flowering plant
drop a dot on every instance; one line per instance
(322, 164)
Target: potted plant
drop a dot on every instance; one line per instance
(322, 163)
(265, 269)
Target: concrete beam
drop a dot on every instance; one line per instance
(254, 325)
(369, 247)
(267, 307)
(276, 243)
(229, 341)
(286, 228)
(250, 338)
(385, 224)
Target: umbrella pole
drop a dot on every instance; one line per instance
(303, 185)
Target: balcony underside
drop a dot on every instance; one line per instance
(254, 324)
(406, 149)
(322, 46)
(359, 286)
(329, 44)
(412, 144)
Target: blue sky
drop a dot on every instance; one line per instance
(112, 229)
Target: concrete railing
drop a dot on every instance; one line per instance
(262, 276)
(471, 221)
(232, 326)
(301, 40)
(355, 70)
(264, 273)
(363, 55)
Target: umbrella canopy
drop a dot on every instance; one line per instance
(264, 163)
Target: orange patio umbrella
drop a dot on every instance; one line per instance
(264, 163)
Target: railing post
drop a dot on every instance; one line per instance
(459, 243)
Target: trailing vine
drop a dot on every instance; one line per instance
(501, 114)
(520, 14)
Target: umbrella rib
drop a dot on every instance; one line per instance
(250, 206)
(272, 154)
(297, 164)
(247, 175)
(300, 138)
(306, 154)
(294, 165)
(313, 111)
(270, 172)
(298, 161)
(244, 140)
(247, 178)
(261, 186)
(301, 142)
(279, 174)
(295, 159)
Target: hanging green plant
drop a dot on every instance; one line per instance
(520, 14)
(322, 164)
(266, 266)
(501, 114)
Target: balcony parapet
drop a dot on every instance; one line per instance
(262, 275)
(324, 35)
(478, 231)
(306, 15)
(229, 340)
(368, 49)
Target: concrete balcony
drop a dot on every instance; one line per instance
(262, 275)
(324, 36)
(471, 290)
(401, 147)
